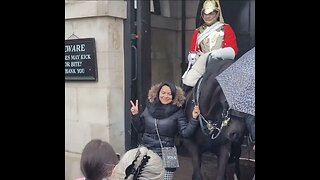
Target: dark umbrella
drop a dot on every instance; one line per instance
(238, 83)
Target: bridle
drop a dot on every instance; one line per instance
(210, 127)
(213, 129)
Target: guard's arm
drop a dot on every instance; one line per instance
(223, 53)
(229, 47)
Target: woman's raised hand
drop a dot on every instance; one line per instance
(134, 107)
(195, 112)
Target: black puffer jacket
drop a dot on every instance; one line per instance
(168, 127)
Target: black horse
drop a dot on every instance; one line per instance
(219, 126)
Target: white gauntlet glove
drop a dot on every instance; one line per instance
(223, 53)
(193, 56)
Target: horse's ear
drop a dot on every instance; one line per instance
(225, 105)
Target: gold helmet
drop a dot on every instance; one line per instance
(210, 6)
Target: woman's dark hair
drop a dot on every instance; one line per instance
(97, 160)
(171, 86)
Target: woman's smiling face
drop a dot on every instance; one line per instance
(165, 95)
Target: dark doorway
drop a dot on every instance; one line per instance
(137, 63)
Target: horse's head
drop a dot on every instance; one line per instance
(215, 114)
(231, 123)
(234, 129)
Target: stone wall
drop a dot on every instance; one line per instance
(95, 109)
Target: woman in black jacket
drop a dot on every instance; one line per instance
(164, 107)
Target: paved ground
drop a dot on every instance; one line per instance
(209, 164)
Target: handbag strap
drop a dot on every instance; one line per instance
(155, 123)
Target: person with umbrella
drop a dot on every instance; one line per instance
(214, 38)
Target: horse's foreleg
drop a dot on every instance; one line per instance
(196, 160)
(233, 167)
(223, 157)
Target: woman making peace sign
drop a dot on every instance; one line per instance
(164, 106)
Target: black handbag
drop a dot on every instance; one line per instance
(169, 154)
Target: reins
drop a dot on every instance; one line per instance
(208, 127)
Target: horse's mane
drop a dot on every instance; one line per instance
(215, 67)
(210, 85)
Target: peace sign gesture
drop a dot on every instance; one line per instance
(134, 107)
